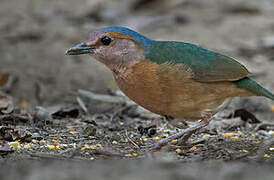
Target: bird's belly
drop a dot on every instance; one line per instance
(174, 94)
(189, 106)
(146, 95)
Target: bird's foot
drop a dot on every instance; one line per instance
(183, 136)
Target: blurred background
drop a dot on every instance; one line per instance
(34, 34)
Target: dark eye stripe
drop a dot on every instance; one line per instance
(106, 40)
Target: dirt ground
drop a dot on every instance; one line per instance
(63, 117)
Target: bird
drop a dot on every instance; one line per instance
(170, 78)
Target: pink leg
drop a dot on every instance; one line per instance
(184, 135)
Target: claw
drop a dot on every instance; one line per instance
(183, 136)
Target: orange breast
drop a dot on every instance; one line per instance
(169, 90)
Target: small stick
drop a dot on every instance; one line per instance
(130, 140)
(82, 104)
(265, 125)
(100, 97)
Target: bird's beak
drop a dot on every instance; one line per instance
(81, 48)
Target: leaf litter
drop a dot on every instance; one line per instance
(69, 132)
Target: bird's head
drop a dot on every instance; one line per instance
(114, 46)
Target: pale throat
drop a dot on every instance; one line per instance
(120, 58)
(122, 70)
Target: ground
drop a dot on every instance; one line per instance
(54, 115)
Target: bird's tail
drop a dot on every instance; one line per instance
(253, 86)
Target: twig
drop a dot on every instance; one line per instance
(100, 97)
(82, 104)
(14, 117)
(116, 113)
(130, 140)
(198, 142)
(264, 126)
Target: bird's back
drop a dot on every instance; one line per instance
(206, 65)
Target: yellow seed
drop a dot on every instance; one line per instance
(14, 143)
(206, 136)
(174, 140)
(156, 138)
(54, 141)
(240, 133)
(178, 150)
(19, 147)
(235, 137)
(99, 145)
(194, 148)
(134, 154)
(272, 108)
(228, 134)
(85, 147)
(92, 146)
(42, 141)
(266, 156)
(244, 150)
(131, 155)
(27, 146)
(144, 139)
(164, 135)
(51, 147)
(73, 132)
(258, 142)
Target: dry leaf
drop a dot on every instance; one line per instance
(4, 79)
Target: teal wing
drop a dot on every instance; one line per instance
(206, 66)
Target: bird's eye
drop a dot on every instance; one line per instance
(106, 40)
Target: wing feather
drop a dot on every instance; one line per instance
(206, 65)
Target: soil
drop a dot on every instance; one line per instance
(63, 117)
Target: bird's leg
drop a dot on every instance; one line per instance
(184, 135)
(182, 140)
